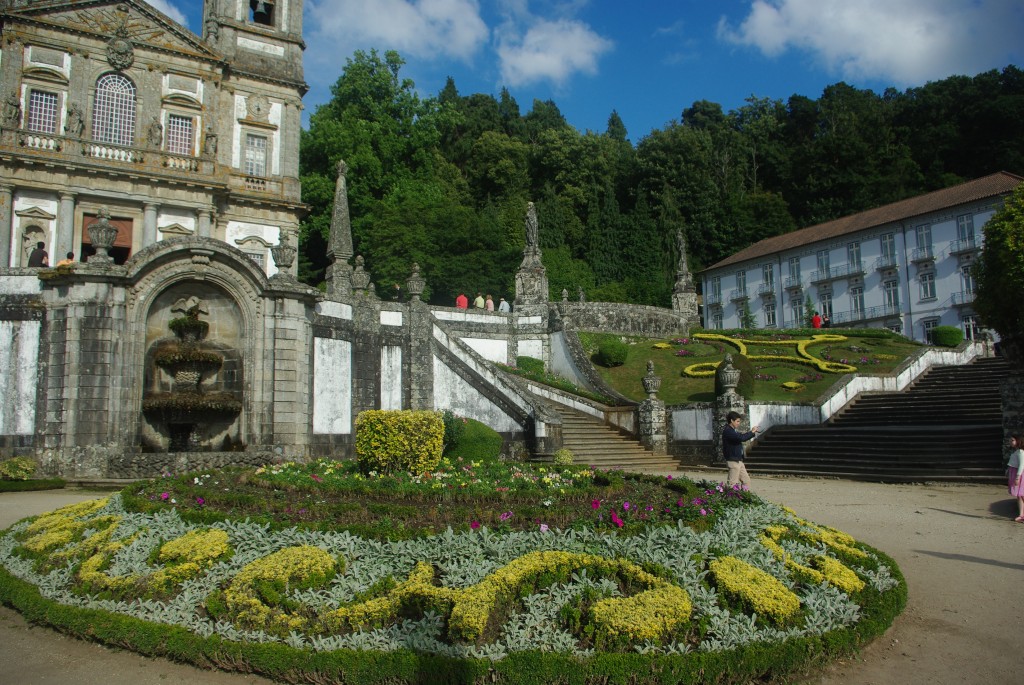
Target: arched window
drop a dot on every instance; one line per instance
(113, 112)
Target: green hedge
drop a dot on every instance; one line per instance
(389, 441)
(612, 352)
(947, 336)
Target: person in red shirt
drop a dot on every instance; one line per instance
(462, 302)
(816, 320)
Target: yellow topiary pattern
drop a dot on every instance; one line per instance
(759, 590)
(704, 369)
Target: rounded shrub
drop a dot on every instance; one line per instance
(947, 336)
(612, 352)
(563, 457)
(454, 428)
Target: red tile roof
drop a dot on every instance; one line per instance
(971, 191)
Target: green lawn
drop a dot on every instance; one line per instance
(872, 352)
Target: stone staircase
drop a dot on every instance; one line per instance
(594, 443)
(947, 426)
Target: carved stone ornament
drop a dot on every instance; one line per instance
(284, 254)
(651, 382)
(120, 51)
(416, 283)
(102, 235)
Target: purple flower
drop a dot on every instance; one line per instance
(164, 496)
(595, 504)
(506, 516)
(474, 524)
(625, 506)
(200, 501)
(543, 527)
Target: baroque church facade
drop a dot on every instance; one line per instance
(112, 104)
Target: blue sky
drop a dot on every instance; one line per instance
(650, 59)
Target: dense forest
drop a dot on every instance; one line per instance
(444, 181)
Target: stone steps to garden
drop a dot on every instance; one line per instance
(594, 443)
(947, 426)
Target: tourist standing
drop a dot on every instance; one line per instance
(503, 306)
(816, 320)
(479, 301)
(489, 303)
(732, 448)
(462, 302)
(1015, 474)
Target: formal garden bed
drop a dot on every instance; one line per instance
(475, 570)
(790, 365)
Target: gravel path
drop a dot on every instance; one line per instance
(958, 546)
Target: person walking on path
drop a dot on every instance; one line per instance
(1015, 474)
(732, 448)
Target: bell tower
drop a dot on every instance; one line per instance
(260, 37)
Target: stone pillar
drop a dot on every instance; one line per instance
(203, 229)
(653, 428)
(727, 377)
(65, 227)
(149, 210)
(6, 223)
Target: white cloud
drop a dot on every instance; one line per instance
(549, 50)
(170, 10)
(906, 42)
(418, 28)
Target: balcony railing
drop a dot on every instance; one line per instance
(713, 299)
(864, 315)
(838, 272)
(139, 159)
(739, 295)
(766, 290)
(886, 262)
(963, 298)
(792, 283)
(923, 254)
(958, 247)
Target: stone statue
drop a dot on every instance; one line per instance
(681, 247)
(212, 30)
(531, 226)
(155, 133)
(12, 110)
(565, 294)
(581, 294)
(210, 144)
(76, 121)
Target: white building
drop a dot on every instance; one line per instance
(905, 266)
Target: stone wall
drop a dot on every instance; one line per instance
(626, 319)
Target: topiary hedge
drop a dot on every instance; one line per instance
(390, 441)
(947, 336)
(612, 352)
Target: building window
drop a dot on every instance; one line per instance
(796, 312)
(179, 135)
(716, 288)
(825, 305)
(971, 329)
(927, 281)
(853, 254)
(892, 296)
(769, 315)
(716, 321)
(741, 281)
(768, 275)
(113, 112)
(256, 257)
(42, 112)
(794, 269)
(255, 155)
(965, 228)
(929, 327)
(889, 247)
(966, 279)
(924, 236)
(857, 302)
(823, 265)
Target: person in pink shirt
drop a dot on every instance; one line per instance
(489, 304)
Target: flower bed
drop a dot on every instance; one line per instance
(632, 578)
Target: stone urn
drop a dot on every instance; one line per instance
(651, 382)
(416, 283)
(284, 255)
(102, 235)
(729, 375)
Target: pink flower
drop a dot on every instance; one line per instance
(703, 512)
(595, 504)
(543, 527)
(615, 519)
(200, 501)
(474, 524)
(164, 496)
(317, 478)
(669, 476)
(625, 506)
(506, 516)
